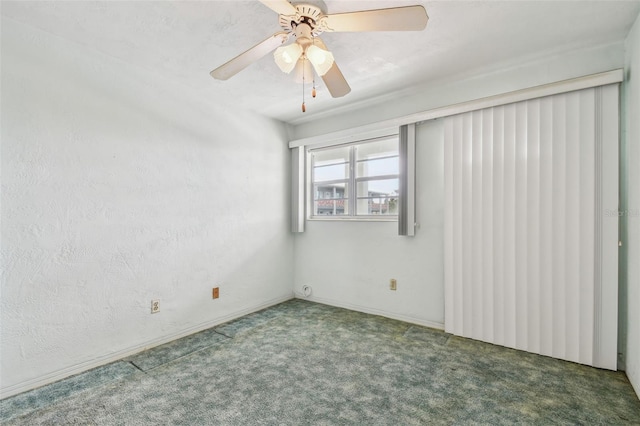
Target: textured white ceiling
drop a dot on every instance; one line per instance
(184, 40)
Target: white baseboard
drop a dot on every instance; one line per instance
(367, 310)
(115, 356)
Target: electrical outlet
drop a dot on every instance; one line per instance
(393, 284)
(216, 292)
(155, 306)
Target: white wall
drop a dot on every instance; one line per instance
(118, 188)
(632, 128)
(350, 264)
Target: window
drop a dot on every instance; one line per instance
(355, 181)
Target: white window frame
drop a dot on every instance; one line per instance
(351, 184)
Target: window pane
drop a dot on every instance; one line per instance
(330, 191)
(378, 206)
(376, 188)
(378, 167)
(371, 150)
(331, 164)
(330, 208)
(332, 172)
(377, 158)
(377, 197)
(330, 200)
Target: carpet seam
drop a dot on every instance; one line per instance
(179, 358)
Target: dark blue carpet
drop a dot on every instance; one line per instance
(303, 363)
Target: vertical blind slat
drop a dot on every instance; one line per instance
(449, 225)
(499, 252)
(572, 220)
(521, 217)
(533, 223)
(475, 224)
(587, 215)
(510, 224)
(558, 277)
(487, 295)
(546, 232)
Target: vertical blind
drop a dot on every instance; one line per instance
(297, 189)
(406, 205)
(530, 256)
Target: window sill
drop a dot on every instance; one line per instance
(353, 219)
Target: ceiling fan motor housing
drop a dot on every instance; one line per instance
(306, 16)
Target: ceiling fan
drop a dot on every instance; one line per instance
(305, 22)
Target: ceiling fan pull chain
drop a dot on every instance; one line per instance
(313, 90)
(304, 108)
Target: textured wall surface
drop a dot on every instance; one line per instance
(632, 87)
(350, 264)
(119, 188)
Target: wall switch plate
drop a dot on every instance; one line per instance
(155, 306)
(393, 284)
(216, 292)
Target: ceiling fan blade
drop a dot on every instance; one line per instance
(409, 18)
(335, 82)
(281, 7)
(240, 62)
(333, 79)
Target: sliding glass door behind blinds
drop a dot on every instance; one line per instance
(530, 253)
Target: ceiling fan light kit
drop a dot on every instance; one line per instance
(287, 57)
(322, 60)
(305, 22)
